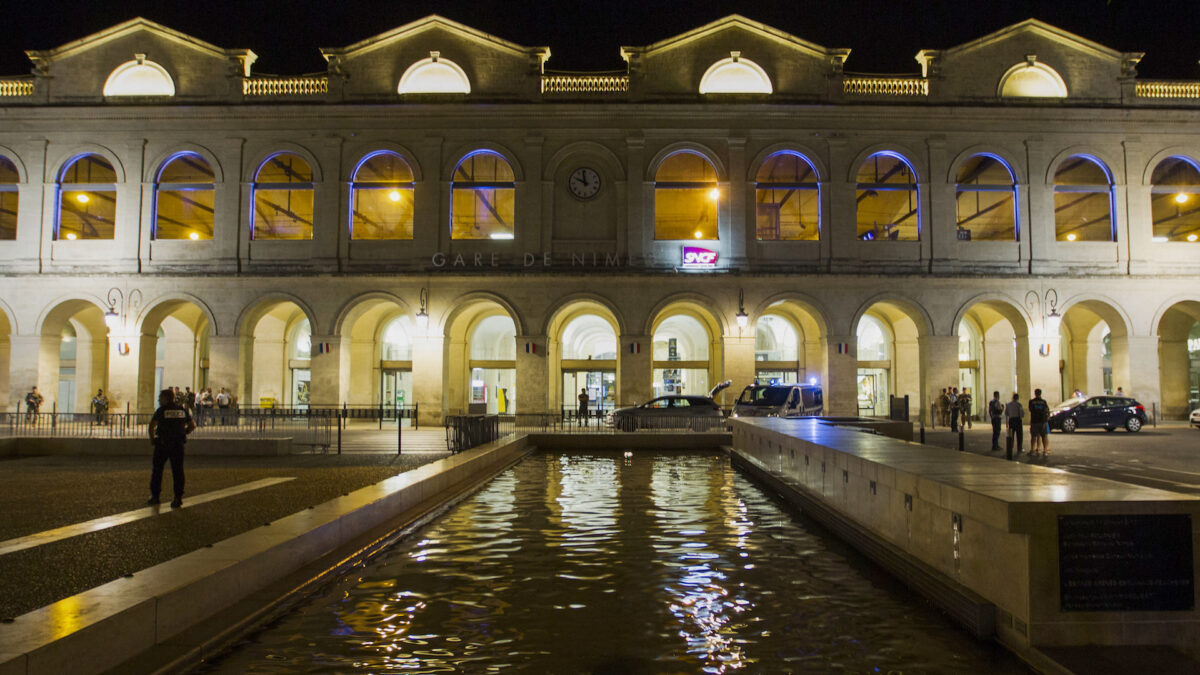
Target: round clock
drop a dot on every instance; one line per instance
(584, 183)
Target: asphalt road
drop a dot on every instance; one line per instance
(1166, 457)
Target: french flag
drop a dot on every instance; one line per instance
(635, 348)
(843, 347)
(530, 347)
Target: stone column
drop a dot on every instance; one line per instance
(32, 361)
(533, 373)
(635, 370)
(739, 365)
(428, 376)
(1135, 367)
(739, 231)
(841, 375)
(225, 364)
(939, 368)
(124, 370)
(329, 371)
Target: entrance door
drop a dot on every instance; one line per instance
(601, 386)
(66, 391)
(396, 389)
(300, 387)
(873, 391)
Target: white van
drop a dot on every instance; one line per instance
(780, 400)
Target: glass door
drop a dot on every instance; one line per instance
(300, 387)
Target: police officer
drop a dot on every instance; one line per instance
(168, 432)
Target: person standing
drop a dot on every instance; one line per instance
(33, 405)
(1039, 425)
(100, 406)
(223, 401)
(168, 433)
(996, 415)
(1014, 413)
(583, 403)
(964, 408)
(954, 409)
(943, 408)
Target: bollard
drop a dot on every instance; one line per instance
(922, 433)
(961, 440)
(339, 426)
(399, 434)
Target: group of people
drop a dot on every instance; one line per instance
(954, 408)
(1011, 415)
(200, 404)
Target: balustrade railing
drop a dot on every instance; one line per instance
(285, 86)
(1167, 89)
(585, 83)
(14, 87)
(885, 86)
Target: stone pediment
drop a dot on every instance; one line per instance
(372, 68)
(675, 67)
(78, 70)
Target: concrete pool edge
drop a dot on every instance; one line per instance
(146, 613)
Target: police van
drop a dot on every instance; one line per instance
(780, 400)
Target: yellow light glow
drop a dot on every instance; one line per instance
(714, 194)
(1181, 198)
(698, 234)
(71, 236)
(1192, 237)
(394, 195)
(194, 236)
(1070, 237)
(82, 198)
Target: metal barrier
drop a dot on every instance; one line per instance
(312, 430)
(464, 432)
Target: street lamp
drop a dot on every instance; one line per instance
(120, 305)
(423, 313)
(743, 319)
(1046, 307)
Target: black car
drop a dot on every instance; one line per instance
(1108, 412)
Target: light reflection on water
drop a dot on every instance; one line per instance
(595, 563)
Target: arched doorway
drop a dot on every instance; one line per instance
(176, 355)
(1179, 359)
(73, 360)
(277, 356)
(481, 358)
(686, 350)
(993, 353)
(890, 362)
(587, 344)
(1094, 347)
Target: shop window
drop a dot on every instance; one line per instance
(1083, 201)
(735, 75)
(9, 177)
(686, 197)
(184, 199)
(787, 199)
(140, 77)
(382, 198)
(434, 75)
(283, 199)
(87, 199)
(1175, 200)
(985, 193)
(887, 199)
(483, 197)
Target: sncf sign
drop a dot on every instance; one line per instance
(695, 256)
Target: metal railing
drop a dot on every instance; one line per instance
(376, 413)
(464, 432)
(886, 86)
(1167, 89)
(585, 83)
(285, 86)
(316, 431)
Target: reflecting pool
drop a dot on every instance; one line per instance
(600, 563)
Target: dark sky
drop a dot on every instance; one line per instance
(581, 35)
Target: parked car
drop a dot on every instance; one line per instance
(1107, 412)
(699, 413)
(780, 400)
(1195, 418)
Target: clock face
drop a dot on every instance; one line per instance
(584, 183)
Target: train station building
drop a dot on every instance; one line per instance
(440, 219)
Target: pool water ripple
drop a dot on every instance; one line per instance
(598, 563)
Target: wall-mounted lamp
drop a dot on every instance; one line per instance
(120, 305)
(1046, 307)
(423, 312)
(743, 319)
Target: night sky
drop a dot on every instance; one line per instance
(884, 36)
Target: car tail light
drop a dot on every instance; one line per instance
(1140, 408)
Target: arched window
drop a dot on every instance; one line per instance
(776, 350)
(183, 199)
(483, 197)
(382, 198)
(685, 198)
(283, 199)
(787, 199)
(680, 356)
(887, 199)
(874, 341)
(1083, 201)
(139, 77)
(985, 192)
(735, 75)
(396, 345)
(434, 75)
(87, 199)
(1032, 80)
(492, 361)
(300, 341)
(589, 337)
(9, 177)
(1175, 200)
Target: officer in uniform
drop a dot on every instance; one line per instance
(168, 432)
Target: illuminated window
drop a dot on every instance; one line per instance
(183, 199)
(8, 198)
(874, 341)
(483, 197)
(87, 199)
(395, 344)
(887, 199)
(300, 342)
(735, 75)
(685, 198)
(382, 198)
(139, 78)
(1175, 200)
(283, 199)
(1083, 201)
(434, 75)
(787, 199)
(1032, 80)
(986, 200)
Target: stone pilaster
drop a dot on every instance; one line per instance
(635, 370)
(429, 376)
(840, 387)
(329, 370)
(533, 372)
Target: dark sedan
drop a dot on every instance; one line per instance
(699, 413)
(1106, 412)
